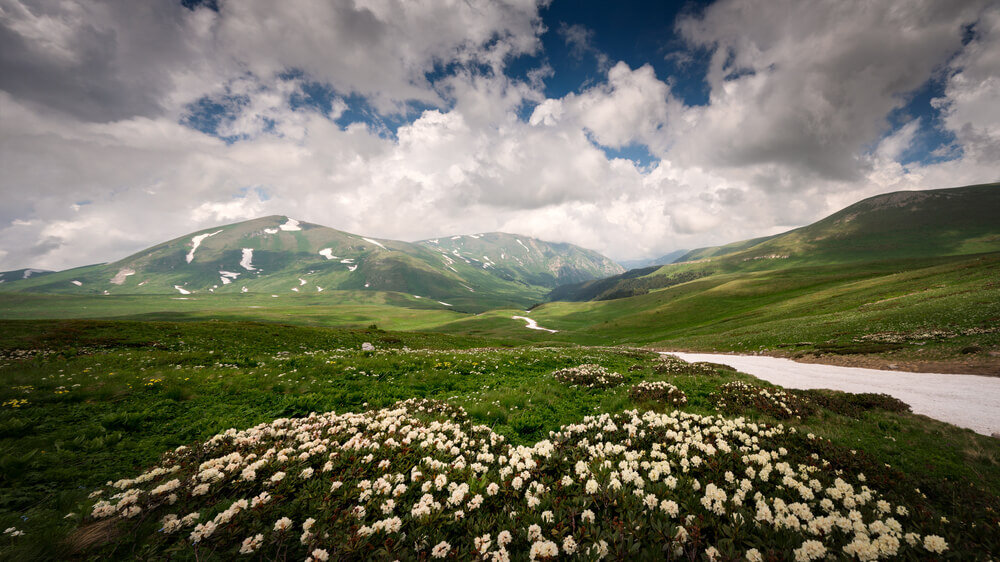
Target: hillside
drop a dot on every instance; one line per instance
(903, 224)
(662, 260)
(900, 225)
(524, 259)
(282, 256)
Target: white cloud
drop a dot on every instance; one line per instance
(799, 137)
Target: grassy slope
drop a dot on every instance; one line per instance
(765, 310)
(109, 397)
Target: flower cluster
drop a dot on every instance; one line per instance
(737, 397)
(392, 484)
(589, 376)
(658, 391)
(669, 364)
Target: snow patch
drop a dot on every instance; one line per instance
(374, 242)
(274, 296)
(347, 260)
(301, 281)
(964, 400)
(327, 253)
(180, 298)
(119, 278)
(434, 241)
(244, 290)
(77, 283)
(417, 297)
(319, 289)
(229, 274)
(196, 241)
(296, 289)
(144, 282)
(351, 267)
(444, 303)
(367, 285)
(182, 290)
(532, 325)
(29, 272)
(292, 224)
(455, 237)
(226, 280)
(522, 244)
(271, 230)
(245, 262)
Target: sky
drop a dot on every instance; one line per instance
(631, 128)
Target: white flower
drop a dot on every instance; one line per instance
(251, 544)
(592, 486)
(282, 524)
(587, 516)
(810, 550)
(543, 549)
(321, 555)
(278, 477)
(569, 545)
(935, 544)
(441, 549)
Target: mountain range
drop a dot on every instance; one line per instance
(284, 256)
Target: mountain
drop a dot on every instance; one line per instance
(662, 260)
(19, 274)
(524, 259)
(893, 226)
(903, 224)
(283, 256)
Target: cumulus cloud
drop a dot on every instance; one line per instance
(796, 125)
(807, 86)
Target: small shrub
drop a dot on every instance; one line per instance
(658, 392)
(853, 405)
(589, 376)
(737, 397)
(668, 364)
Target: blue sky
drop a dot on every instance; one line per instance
(632, 128)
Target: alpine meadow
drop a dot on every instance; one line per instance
(706, 280)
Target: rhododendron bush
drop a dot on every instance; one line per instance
(420, 481)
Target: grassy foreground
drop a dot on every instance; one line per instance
(88, 403)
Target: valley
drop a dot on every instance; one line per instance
(152, 409)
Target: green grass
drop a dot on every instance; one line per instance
(103, 400)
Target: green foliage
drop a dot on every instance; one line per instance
(103, 400)
(853, 405)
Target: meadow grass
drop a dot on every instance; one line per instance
(86, 402)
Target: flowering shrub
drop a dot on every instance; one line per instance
(389, 484)
(853, 405)
(668, 364)
(658, 392)
(590, 376)
(737, 397)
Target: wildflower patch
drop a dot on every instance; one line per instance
(671, 365)
(393, 483)
(737, 397)
(589, 376)
(658, 391)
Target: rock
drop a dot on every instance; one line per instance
(367, 346)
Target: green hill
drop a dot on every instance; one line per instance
(900, 225)
(903, 224)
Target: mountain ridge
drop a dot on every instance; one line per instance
(282, 255)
